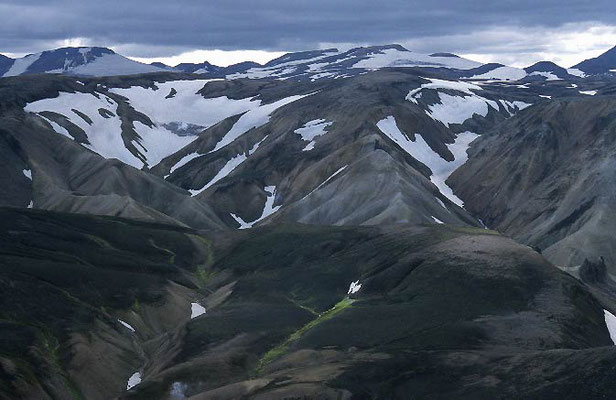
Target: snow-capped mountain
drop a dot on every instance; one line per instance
(603, 64)
(335, 64)
(306, 65)
(547, 70)
(202, 68)
(84, 61)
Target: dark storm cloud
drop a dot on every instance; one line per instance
(154, 28)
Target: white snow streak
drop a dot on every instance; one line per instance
(228, 167)
(438, 221)
(183, 161)
(27, 173)
(419, 149)
(268, 209)
(126, 325)
(588, 92)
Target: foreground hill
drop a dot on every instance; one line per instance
(93, 305)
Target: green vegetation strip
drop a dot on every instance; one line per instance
(282, 348)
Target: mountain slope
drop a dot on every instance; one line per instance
(602, 64)
(545, 177)
(47, 170)
(334, 64)
(547, 70)
(84, 61)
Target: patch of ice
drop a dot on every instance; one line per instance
(196, 310)
(27, 173)
(419, 149)
(134, 380)
(126, 325)
(438, 221)
(354, 287)
(588, 92)
(545, 96)
(31, 204)
(610, 321)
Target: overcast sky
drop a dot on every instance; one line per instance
(516, 32)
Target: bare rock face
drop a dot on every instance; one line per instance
(593, 271)
(545, 177)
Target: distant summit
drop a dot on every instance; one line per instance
(605, 63)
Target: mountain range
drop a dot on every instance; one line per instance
(99, 61)
(333, 224)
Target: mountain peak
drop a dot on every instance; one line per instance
(602, 64)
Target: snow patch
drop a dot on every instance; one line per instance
(422, 152)
(254, 118)
(21, 64)
(113, 64)
(502, 74)
(588, 92)
(183, 161)
(354, 287)
(126, 325)
(104, 135)
(438, 221)
(549, 76)
(389, 58)
(134, 380)
(311, 130)
(27, 173)
(610, 321)
(196, 310)
(576, 72)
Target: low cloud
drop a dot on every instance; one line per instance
(517, 31)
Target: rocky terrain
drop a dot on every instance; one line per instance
(371, 312)
(315, 227)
